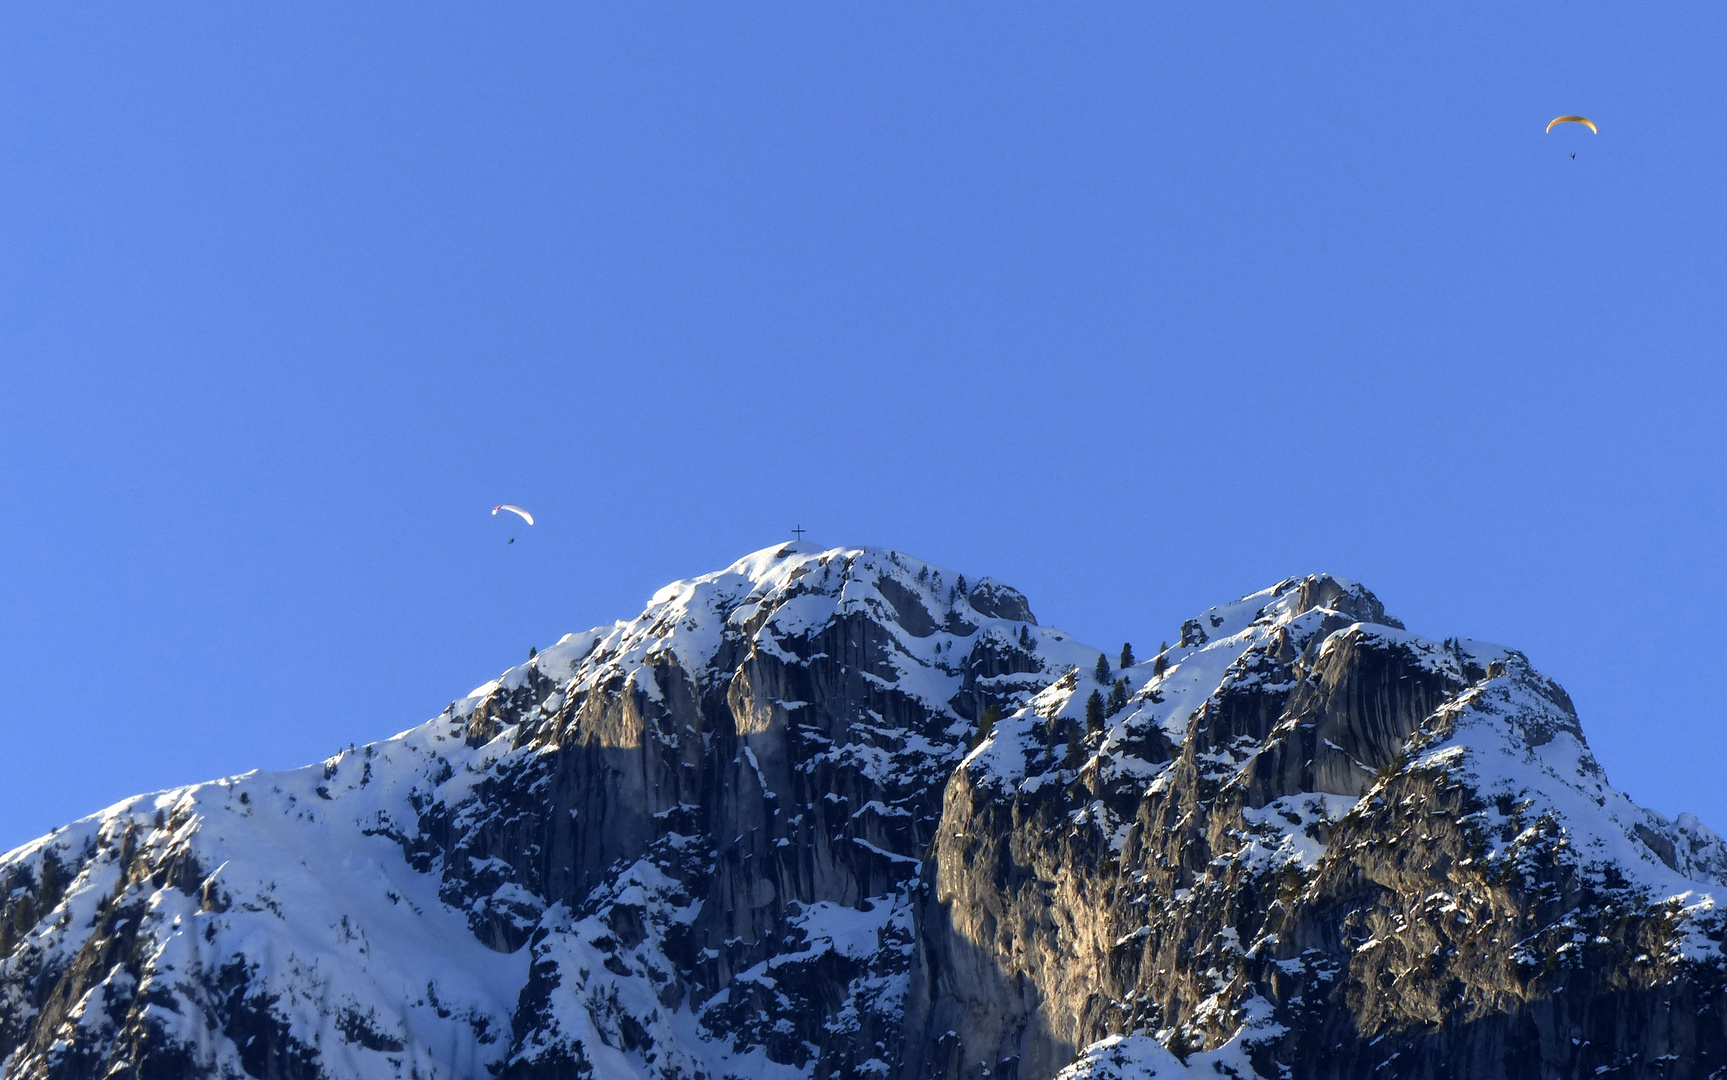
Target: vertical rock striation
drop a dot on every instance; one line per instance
(843, 814)
(1315, 846)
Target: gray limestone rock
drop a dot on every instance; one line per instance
(840, 814)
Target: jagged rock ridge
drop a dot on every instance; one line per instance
(845, 814)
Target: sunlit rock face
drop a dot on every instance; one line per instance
(1315, 845)
(844, 814)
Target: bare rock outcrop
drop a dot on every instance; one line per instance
(1333, 850)
(842, 814)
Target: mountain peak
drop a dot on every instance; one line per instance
(838, 812)
(1287, 601)
(789, 588)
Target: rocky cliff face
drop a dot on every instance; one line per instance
(1316, 846)
(844, 814)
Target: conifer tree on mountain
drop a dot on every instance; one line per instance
(1075, 756)
(1117, 697)
(1175, 876)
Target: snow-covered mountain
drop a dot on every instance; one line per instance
(845, 814)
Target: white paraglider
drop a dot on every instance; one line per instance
(514, 509)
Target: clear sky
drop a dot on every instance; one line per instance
(1137, 307)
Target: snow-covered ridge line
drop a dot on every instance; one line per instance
(355, 826)
(788, 590)
(1210, 658)
(702, 842)
(1194, 732)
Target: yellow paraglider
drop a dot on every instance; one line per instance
(1584, 120)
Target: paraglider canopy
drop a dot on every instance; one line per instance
(1584, 120)
(514, 509)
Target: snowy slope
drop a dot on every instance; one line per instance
(282, 881)
(340, 915)
(1304, 741)
(1509, 732)
(837, 813)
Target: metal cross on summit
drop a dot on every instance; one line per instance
(799, 532)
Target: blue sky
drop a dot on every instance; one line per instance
(1138, 308)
